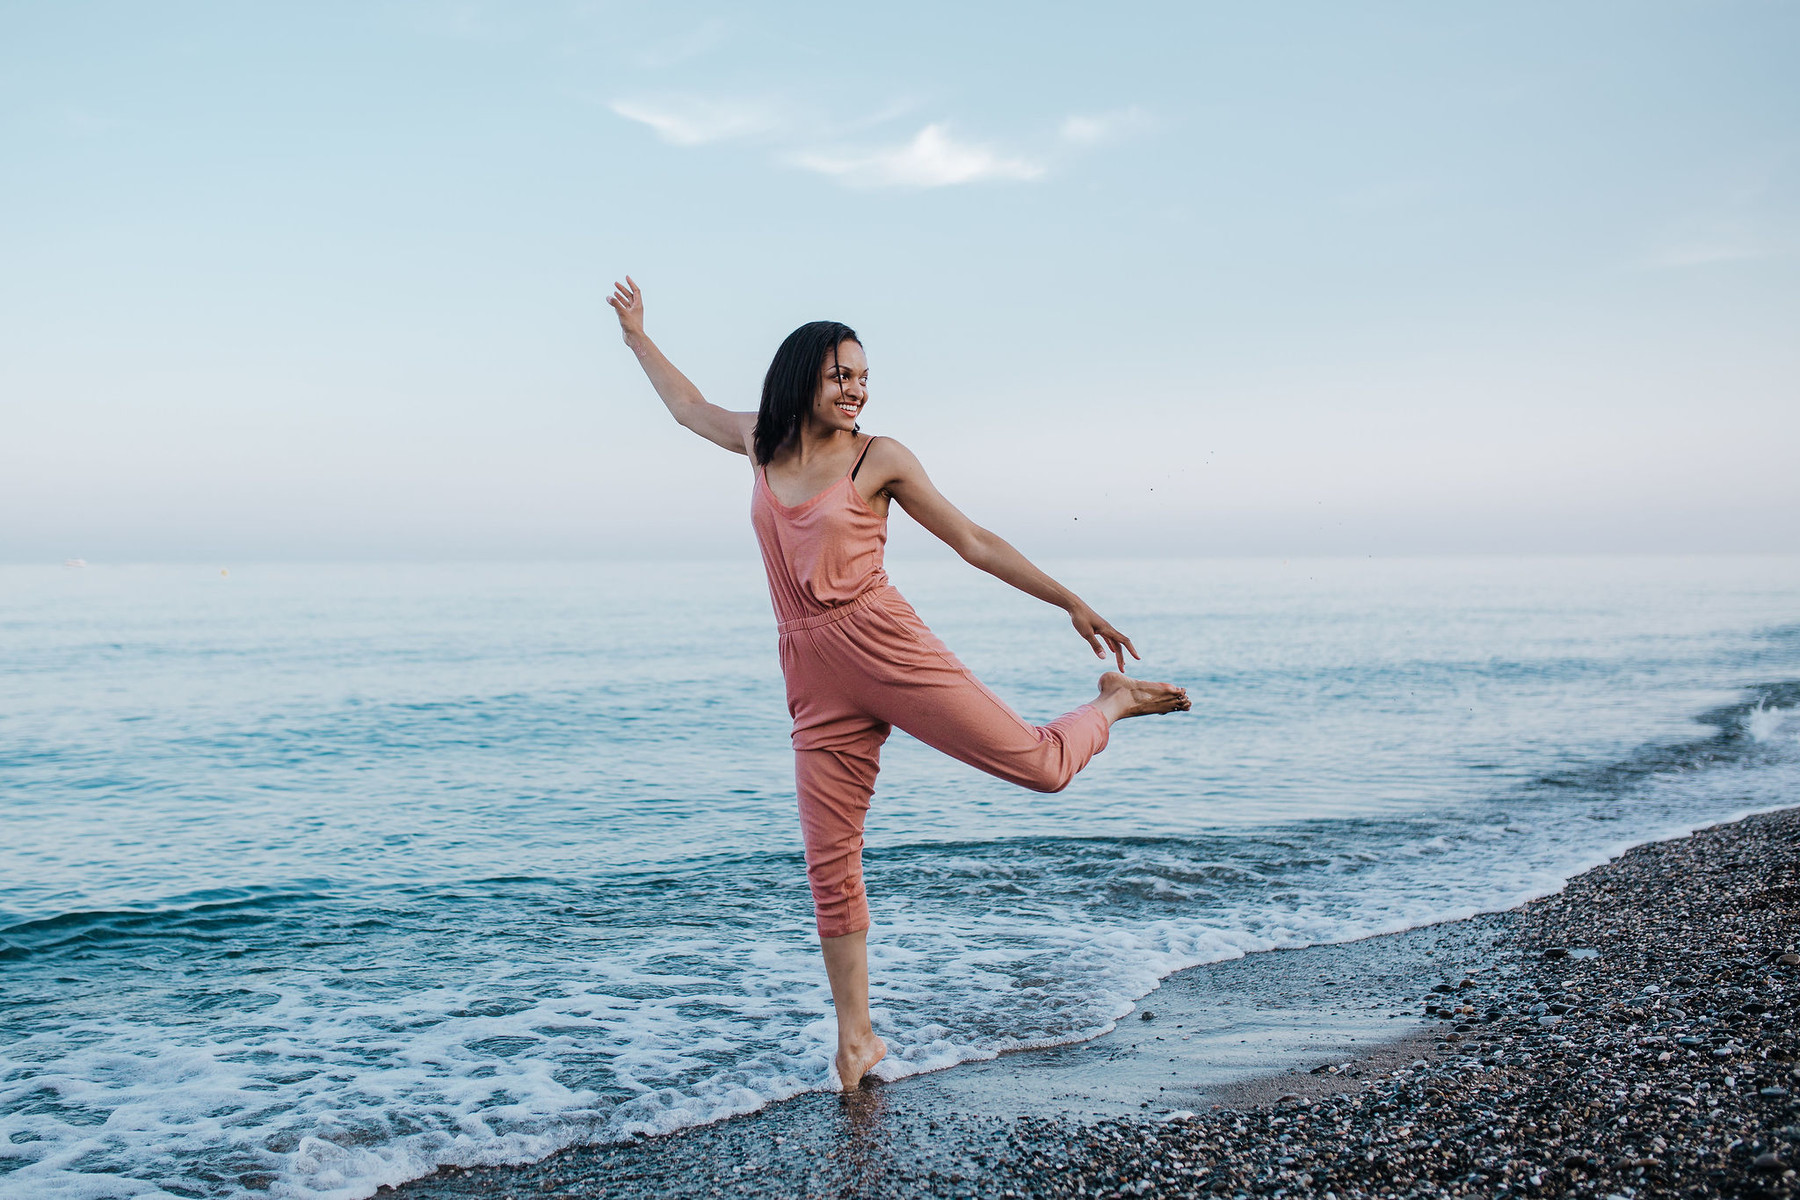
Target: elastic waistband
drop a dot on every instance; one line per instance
(868, 599)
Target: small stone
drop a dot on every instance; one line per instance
(1773, 1092)
(1552, 952)
(1789, 960)
(1682, 981)
(1768, 1161)
(1755, 1006)
(1148, 1016)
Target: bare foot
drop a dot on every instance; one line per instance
(1122, 696)
(855, 1059)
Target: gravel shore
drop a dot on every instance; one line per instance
(1633, 1035)
(1644, 1046)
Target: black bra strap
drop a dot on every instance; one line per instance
(860, 457)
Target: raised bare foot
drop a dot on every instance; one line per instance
(855, 1059)
(1122, 696)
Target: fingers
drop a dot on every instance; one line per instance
(1095, 629)
(1088, 634)
(1112, 644)
(1119, 644)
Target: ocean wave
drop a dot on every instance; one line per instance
(470, 895)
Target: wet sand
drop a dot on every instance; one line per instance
(1633, 1035)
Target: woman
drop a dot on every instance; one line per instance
(856, 657)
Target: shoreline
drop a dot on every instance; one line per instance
(1633, 1034)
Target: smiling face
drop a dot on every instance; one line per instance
(843, 388)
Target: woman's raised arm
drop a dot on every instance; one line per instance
(720, 426)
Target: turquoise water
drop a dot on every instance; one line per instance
(314, 878)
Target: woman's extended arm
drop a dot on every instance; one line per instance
(905, 480)
(720, 426)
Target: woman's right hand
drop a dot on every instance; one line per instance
(628, 302)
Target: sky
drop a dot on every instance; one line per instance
(326, 280)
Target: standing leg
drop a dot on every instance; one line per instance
(834, 786)
(847, 966)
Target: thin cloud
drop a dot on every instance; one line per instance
(1699, 252)
(1096, 128)
(709, 36)
(1391, 195)
(893, 110)
(83, 123)
(1721, 239)
(931, 159)
(695, 122)
(1749, 219)
(463, 21)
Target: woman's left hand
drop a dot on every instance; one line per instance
(1100, 634)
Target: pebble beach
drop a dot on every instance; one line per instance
(1646, 1047)
(1632, 1035)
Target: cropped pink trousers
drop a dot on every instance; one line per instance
(857, 670)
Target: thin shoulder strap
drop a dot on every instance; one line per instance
(860, 457)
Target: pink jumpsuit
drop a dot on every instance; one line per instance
(858, 661)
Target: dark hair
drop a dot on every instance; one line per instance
(793, 381)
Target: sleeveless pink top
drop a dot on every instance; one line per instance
(821, 553)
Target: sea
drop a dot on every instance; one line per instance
(317, 878)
